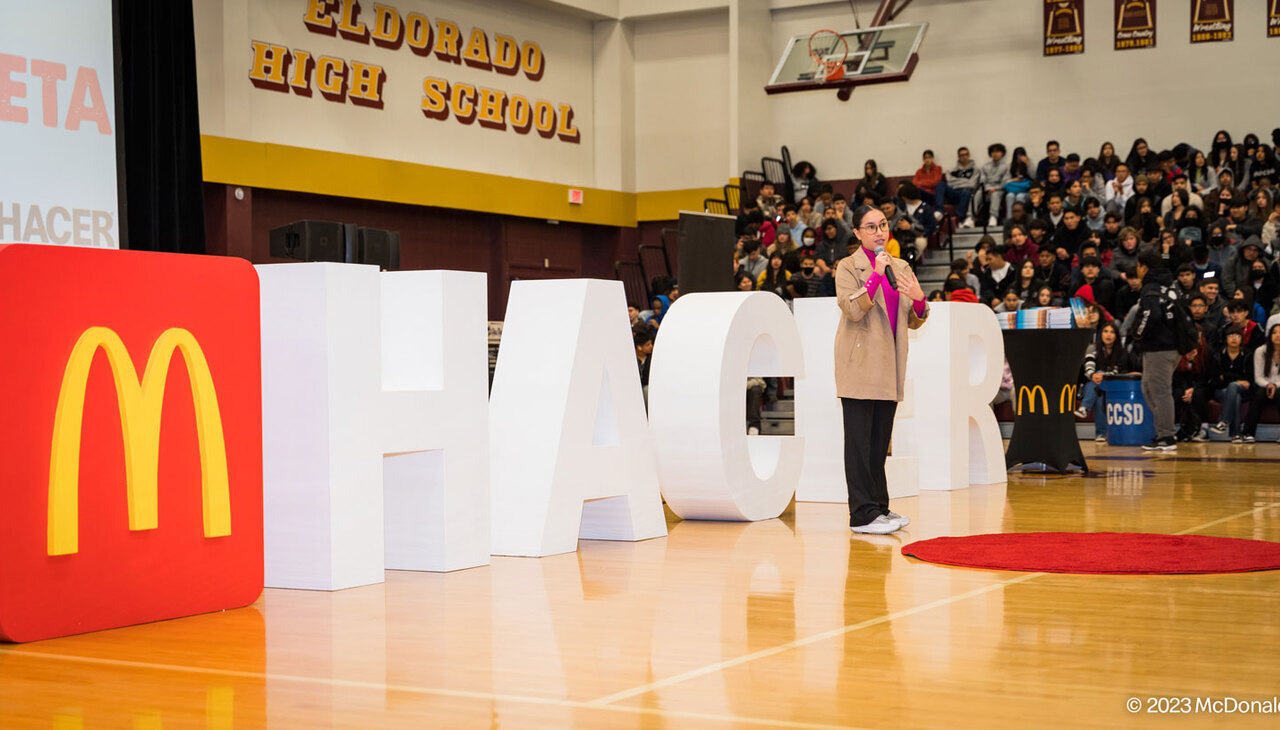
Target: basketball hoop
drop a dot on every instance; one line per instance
(829, 51)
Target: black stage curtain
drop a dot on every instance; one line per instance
(162, 207)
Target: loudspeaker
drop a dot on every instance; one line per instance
(378, 247)
(310, 241)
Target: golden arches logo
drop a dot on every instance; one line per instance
(1067, 399)
(1031, 392)
(141, 402)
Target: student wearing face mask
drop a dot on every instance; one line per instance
(1239, 263)
(814, 280)
(1262, 282)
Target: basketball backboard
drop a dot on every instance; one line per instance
(868, 56)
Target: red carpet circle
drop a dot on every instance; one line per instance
(1116, 553)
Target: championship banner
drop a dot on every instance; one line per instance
(1273, 18)
(1063, 27)
(1213, 20)
(1135, 25)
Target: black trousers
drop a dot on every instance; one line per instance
(868, 427)
(1260, 401)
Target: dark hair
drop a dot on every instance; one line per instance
(1196, 296)
(1052, 143)
(908, 190)
(996, 147)
(1186, 266)
(860, 212)
(802, 167)
(927, 152)
(1149, 256)
(1238, 305)
(1181, 176)
(789, 207)
(1037, 224)
(959, 266)
(737, 280)
(1164, 156)
(962, 149)
(830, 224)
(837, 196)
(643, 337)
(1070, 209)
(750, 246)
(1091, 261)
(826, 188)
(875, 169)
(1017, 227)
(1093, 203)
(1073, 157)
(1112, 216)
(999, 250)
(1054, 195)
(1271, 351)
(954, 285)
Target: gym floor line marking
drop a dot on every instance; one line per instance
(765, 653)
(431, 691)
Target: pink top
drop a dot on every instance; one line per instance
(877, 281)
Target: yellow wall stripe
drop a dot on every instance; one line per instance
(298, 169)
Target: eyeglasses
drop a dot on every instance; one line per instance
(872, 228)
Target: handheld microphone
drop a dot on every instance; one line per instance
(888, 270)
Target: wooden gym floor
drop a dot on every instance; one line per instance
(786, 623)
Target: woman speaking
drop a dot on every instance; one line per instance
(880, 300)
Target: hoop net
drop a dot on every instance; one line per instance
(829, 51)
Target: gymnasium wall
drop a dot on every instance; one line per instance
(982, 78)
(682, 101)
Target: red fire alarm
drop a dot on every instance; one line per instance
(575, 196)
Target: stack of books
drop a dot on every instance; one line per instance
(1041, 318)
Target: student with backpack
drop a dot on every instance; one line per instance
(1160, 334)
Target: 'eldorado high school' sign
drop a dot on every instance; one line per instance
(339, 80)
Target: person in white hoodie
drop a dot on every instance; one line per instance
(992, 178)
(1119, 190)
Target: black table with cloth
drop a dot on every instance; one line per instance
(1046, 369)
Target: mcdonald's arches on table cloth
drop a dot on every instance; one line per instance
(1046, 367)
(1115, 553)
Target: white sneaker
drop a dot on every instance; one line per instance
(879, 526)
(1249, 439)
(1201, 435)
(993, 222)
(1081, 412)
(937, 215)
(1220, 427)
(902, 521)
(753, 431)
(1100, 438)
(968, 222)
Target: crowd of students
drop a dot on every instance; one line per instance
(1207, 223)
(1071, 227)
